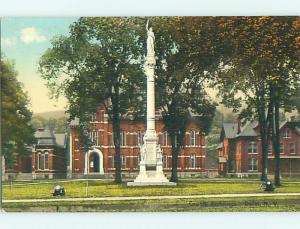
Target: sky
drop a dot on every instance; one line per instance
(24, 40)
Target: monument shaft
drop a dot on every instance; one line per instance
(151, 167)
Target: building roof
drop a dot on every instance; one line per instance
(47, 137)
(248, 129)
(230, 130)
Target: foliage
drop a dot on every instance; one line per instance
(97, 64)
(17, 132)
(180, 83)
(262, 70)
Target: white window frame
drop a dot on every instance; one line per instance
(123, 161)
(193, 161)
(37, 164)
(287, 133)
(251, 145)
(193, 138)
(139, 138)
(94, 117)
(165, 161)
(46, 153)
(113, 161)
(252, 164)
(294, 147)
(123, 138)
(270, 148)
(165, 138)
(94, 137)
(281, 148)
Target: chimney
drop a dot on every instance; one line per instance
(238, 124)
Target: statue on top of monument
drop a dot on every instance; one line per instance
(150, 40)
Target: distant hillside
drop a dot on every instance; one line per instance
(52, 114)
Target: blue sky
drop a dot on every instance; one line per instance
(24, 40)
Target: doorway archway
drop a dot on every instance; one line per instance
(94, 162)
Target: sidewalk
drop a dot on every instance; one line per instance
(150, 197)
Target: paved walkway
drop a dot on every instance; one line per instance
(150, 197)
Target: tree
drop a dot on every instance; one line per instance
(181, 77)
(263, 66)
(99, 63)
(17, 131)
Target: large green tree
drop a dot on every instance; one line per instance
(263, 67)
(184, 50)
(17, 133)
(98, 63)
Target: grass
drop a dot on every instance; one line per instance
(280, 203)
(106, 188)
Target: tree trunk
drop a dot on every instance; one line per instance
(263, 132)
(116, 133)
(174, 176)
(276, 141)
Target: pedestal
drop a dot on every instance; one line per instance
(151, 166)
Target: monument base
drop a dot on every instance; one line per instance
(153, 177)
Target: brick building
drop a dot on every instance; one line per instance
(49, 155)
(48, 158)
(240, 149)
(100, 160)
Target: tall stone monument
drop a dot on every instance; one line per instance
(151, 166)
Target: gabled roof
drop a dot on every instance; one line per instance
(248, 130)
(230, 130)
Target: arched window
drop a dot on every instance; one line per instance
(193, 138)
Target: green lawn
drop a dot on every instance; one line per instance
(278, 203)
(105, 188)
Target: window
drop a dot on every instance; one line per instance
(252, 147)
(281, 148)
(112, 161)
(94, 117)
(94, 137)
(165, 138)
(292, 148)
(123, 158)
(193, 138)
(165, 161)
(193, 161)
(139, 138)
(46, 160)
(287, 133)
(138, 159)
(270, 148)
(252, 166)
(40, 162)
(123, 138)
(37, 160)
